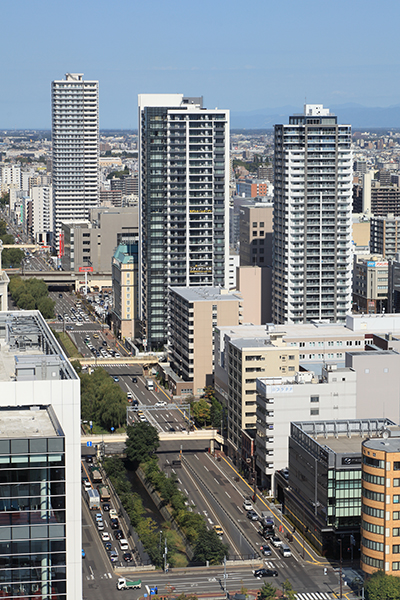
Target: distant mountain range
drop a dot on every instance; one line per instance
(360, 117)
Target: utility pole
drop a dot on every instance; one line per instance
(225, 590)
(340, 571)
(165, 556)
(254, 478)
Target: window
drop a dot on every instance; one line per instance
(396, 465)
(254, 224)
(376, 496)
(372, 562)
(291, 356)
(396, 499)
(373, 512)
(261, 223)
(396, 548)
(314, 399)
(396, 531)
(372, 528)
(372, 545)
(395, 566)
(396, 515)
(375, 479)
(374, 462)
(396, 482)
(314, 411)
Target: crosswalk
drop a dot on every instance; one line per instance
(314, 596)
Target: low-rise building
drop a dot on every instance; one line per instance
(370, 283)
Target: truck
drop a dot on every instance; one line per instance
(104, 493)
(93, 499)
(124, 584)
(150, 384)
(96, 477)
(267, 524)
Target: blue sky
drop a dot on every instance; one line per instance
(239, 55)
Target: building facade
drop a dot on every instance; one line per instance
(385, 236)
(312, 218)
(370, 283)
(125, 290)
(184, 202)
(75, 146)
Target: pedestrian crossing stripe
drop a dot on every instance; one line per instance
(313, 596)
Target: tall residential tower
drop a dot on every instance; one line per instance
(184, 202)
(312, 218)
(75, 141)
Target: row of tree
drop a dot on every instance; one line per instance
(11, 257)
(32, 294)
(102, 401)
(207, 410)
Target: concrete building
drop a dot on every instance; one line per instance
(254, 285)
(385, 236)
(385, 199)
(370, 283)
(75, 147)
(184, 202)
(380, 514)
(125, 290)
(10, 177)
(40, 529)
(312, 218)
(93, 242)
(323, 491)
(42, 214)
(194, 314)
(234, 262)
(302, 397)
(256, 231)
(252, 188)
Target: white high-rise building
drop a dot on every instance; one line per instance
(42, 213)
(312, 218)
(184, 202)
(75, 139)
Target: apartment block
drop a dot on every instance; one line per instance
(125, 290)
(385, 236)
(253, 188)
(370, 283)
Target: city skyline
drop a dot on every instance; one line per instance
(287, 53)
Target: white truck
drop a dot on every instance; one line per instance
(93, 499)
(124, 584)
(150, 384)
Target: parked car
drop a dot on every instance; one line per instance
(265, 573)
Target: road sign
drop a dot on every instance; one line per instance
(89, 444)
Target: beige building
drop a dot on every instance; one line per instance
(194, 313)
(125, 290)
(93, 242)
(254, 285)
(370, 283)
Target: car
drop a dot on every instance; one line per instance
(117, 355)
(218, 530)
(100, 525)
(106, 507)
(96, 336)
(265, 573)
(79, 324)
(123, 544)
(134, 379)
(59, 317)
(114, 523)
(69, 327)
(127, 556)
(99, 517)
(160, 404)
(113, 557)
(118, 534)
(116, 378)
(275, 541)
(108, 546)
(105, 536)
(129, 395)
(247, 505)
(60, 296)
(143, 419)
(113, 513)
(104, 343)
(265, 550)
(285, 551)
(252, 515)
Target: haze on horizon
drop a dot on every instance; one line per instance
(240, 56)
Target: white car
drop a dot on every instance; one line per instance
(247, 505)
(113, 513)
(105, 536)
(160, 403)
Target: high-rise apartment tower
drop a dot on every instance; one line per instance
(75, 141)
(312, 218)
(184, 202)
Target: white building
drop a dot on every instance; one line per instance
(184, 202)
(10, 177)
(75, 140)
(312, 218)
(42, 213)
(40, 439)
(303, 397)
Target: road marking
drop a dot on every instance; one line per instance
(240, 509)
(186, 492)
(205, 468)
(148, 589)
(196, 457)
(217, 481)
(179, 481)
(91, 571)
(205, 513)
(109, 576)
(227, 494)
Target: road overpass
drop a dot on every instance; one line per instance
(63, 278)
(124, 360)
(164, 436)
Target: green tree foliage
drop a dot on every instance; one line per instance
(12, 257)
(102, 401)
(118, 174)
(382, 587)
(32, 294)
(141, 444)
(201, 411)
(267, 592)
(209, 547)
(7, 238)
(5, 199)
(288, 591)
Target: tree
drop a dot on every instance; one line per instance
(215, 413)
(141, 444)
(382, 587)
(267, 592)
(46, 307)
(209, 548)
(288, 591)
(12, 257)
(201, 411)
(26, 301)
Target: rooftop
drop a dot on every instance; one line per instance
(28, 422)
(206, 294)
(28, 349)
